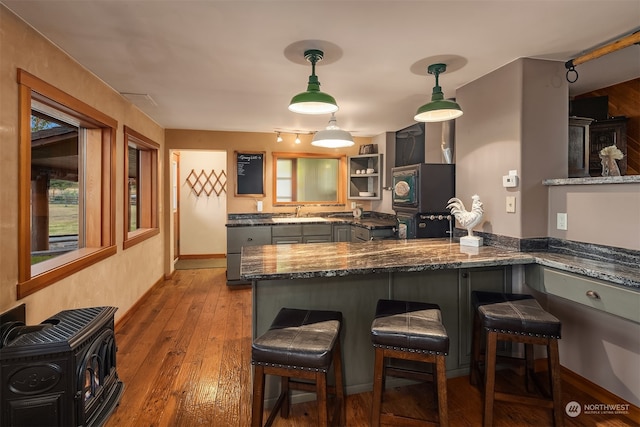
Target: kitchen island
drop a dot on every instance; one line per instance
(351, 277)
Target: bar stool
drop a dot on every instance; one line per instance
(300, 344)
(516, 318)
(409, 331)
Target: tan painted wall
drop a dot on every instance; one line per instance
(515, 118)
(607, 214)
(488, 145)
(119, 280)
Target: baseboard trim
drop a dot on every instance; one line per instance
(601, 394)
(202, 256)
(137, 304)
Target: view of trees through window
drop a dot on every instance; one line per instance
(55, 204)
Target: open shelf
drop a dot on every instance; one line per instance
(365, 176)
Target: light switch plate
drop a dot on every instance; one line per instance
(511, 204)
(561, 220)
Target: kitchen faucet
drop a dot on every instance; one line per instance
(298, 210)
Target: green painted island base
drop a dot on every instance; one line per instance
(356, 297)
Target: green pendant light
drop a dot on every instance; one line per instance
(439, 109)
(332, 136)
(313, 101)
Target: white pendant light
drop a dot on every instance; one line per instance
(332, 136)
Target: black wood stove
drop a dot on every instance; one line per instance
(61, 372)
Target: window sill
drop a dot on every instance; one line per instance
(140, 235)
(48, 272)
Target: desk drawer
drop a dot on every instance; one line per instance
(593, 293)
(360, 233)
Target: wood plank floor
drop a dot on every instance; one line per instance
(184, 357)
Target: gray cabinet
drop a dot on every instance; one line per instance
(237, 237)
(286, 234)
(361, 234)
(579, 147)
(598, 294)
(341, 233)
(301, 233)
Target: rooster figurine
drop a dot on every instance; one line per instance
(467, 219)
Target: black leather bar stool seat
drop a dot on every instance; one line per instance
(515, 318)
(414, 331)
(300, 344)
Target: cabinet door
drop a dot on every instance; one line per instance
(341, 233)
(286, 230)
(604, 133)
(494, 279)
(233, 267)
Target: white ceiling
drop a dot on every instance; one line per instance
(234, 65)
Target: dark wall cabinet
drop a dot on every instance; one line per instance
(603, 133)
(579, 147)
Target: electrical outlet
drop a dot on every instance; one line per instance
(511, 204)
(561, 220)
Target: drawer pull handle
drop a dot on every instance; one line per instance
(249, 239)
(593, 294)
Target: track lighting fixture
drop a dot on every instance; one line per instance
(297, 139)
(278, 137)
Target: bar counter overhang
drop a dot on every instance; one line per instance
(351, 277)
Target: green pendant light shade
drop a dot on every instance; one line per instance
(313, 101)
(439, 109)
(332, 136)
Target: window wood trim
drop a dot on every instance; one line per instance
(342, 176)
(102, 240)
(148, 189)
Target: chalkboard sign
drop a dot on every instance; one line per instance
(249, 173)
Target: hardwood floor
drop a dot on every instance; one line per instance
(184, 357)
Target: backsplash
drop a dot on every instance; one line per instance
(604, 253)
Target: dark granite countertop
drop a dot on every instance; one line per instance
(345, 258)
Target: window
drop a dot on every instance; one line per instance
(66, 185)
(141, 188)
(309, 178)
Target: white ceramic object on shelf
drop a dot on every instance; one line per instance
(366, 194)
